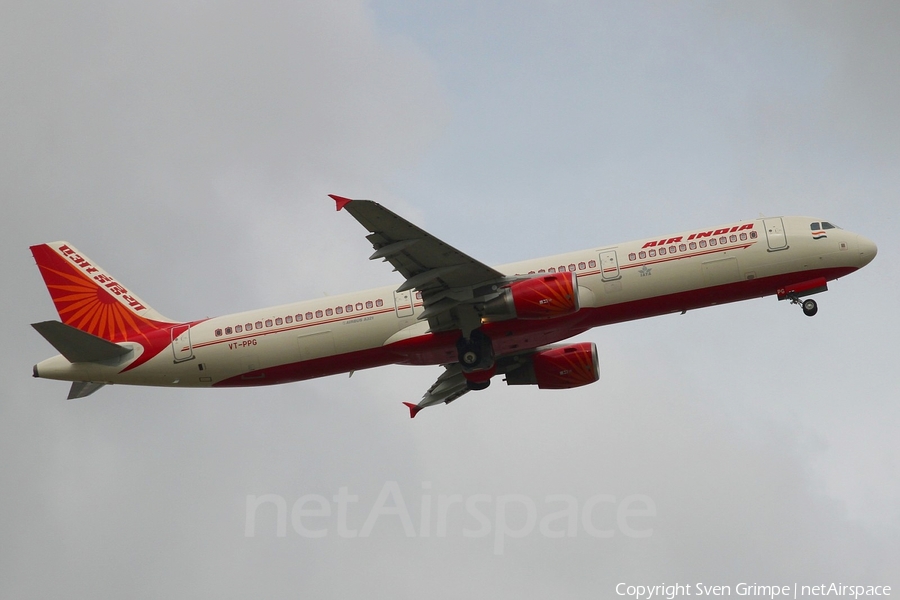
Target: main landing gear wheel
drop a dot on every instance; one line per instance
(475, 386)
(476, 352)
(809, 307)
(469, 358)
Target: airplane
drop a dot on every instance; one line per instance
(474, 320)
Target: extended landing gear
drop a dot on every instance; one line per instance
(475, 386)
(475, 353)
(804, 288)
(809, 305)
(476, 357)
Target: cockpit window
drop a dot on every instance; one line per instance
(823, 225)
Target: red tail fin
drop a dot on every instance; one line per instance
(90, 299)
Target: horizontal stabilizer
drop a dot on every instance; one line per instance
(80, 389)
(77, 345)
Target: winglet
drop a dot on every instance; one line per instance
(340, 201)
(413, 409)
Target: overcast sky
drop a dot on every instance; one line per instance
(188, 147)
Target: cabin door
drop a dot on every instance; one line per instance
(403, 303)
(775, 234)
(609, 265)
(181, 343)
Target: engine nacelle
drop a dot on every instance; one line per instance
(543, 297)
(559, 367)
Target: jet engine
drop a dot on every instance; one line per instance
(558, 367)
(542, 297)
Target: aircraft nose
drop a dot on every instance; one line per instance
(867, 249)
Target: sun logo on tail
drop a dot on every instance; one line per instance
(91, 300)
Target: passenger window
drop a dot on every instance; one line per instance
(279, 321)
(682, 247)
(582, 266)
(218, 333)
(693, 245)
(652, 253)
(289, 319)
(642, 254)
(309, 316)
(379, 302)
(228, 331)
(339, 310)
(592, 264)
(723, 240)
(732, 237)
(298, 317)
(319, 314)
(370, 305)
(562, 268)
(249, 326)
(703, 243)
(259, 324)
(662, 251)
(572, 267)
(672, 249)
(743, 237)
(632, 256)
(349, 308)
(359, 306)
(551, 270)
(753, 235)
(712, 241)
(268, 322)
(238, 329)
(328, 312)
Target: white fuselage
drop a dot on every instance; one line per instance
(379, 326)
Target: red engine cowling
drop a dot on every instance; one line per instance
(559, 367)
(543, 297)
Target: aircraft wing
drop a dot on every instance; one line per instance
(452, 383)
(448, 387)
(446, 277)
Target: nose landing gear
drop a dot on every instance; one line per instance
(809, 306)
(804, 288)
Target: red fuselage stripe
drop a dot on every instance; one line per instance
(508, 333)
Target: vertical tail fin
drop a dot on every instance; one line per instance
(90, 299)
